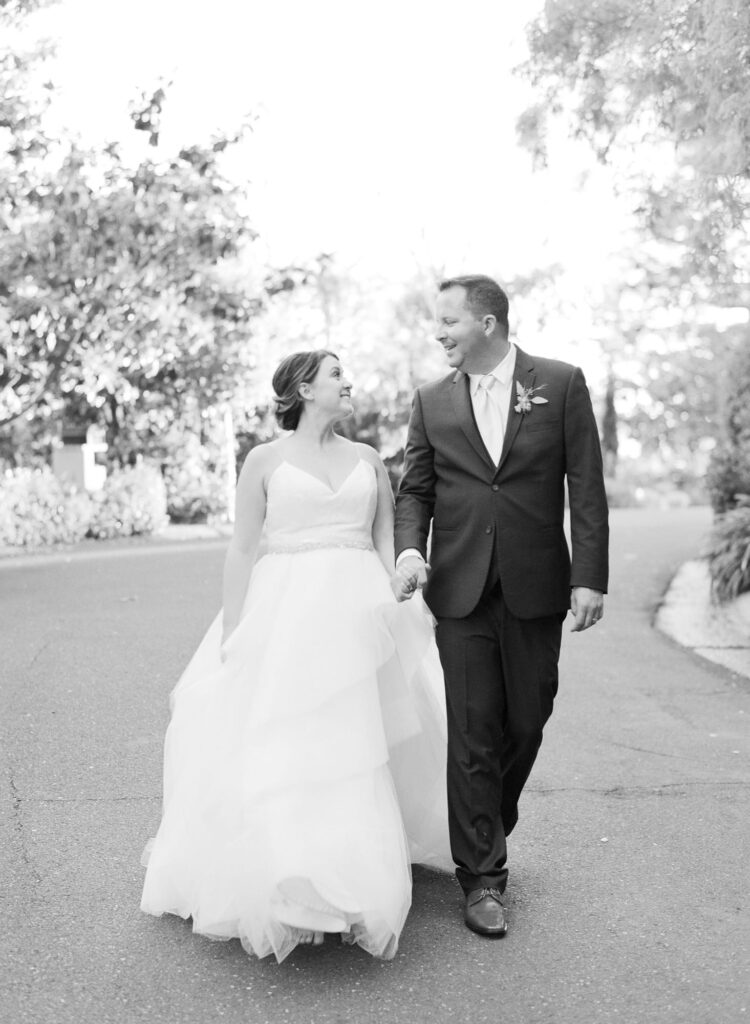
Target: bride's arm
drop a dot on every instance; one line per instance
(382, 527)
(249, 516)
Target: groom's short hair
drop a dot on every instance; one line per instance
(483, 295)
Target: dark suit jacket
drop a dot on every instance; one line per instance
(508, 518)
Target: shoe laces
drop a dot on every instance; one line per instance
(490, 891)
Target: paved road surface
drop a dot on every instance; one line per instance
(629, 868)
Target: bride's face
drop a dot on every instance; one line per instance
(331, 391)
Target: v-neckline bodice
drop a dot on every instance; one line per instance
(323, 483)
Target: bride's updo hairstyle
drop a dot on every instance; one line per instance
(292, 372)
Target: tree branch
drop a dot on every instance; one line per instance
(56, 365)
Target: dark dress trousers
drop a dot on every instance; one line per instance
(499, 581)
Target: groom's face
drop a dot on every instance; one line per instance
(458, 330)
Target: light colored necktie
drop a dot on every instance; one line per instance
(489, 417)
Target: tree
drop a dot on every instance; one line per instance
(122, 288)
(672, 78)
(24, 97)
(662, 90)
(666, 69)
(118, 295)
(21, 112)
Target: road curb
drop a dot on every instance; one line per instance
(170, 538)
(720, 633)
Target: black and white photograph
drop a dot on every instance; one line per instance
(375, 512)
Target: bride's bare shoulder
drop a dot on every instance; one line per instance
(263, 459)
(368, 453)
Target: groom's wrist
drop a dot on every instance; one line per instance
(409, 553)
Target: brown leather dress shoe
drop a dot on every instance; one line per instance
(484, 912)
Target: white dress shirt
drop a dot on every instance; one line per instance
(500, 394)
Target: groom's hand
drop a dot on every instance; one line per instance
(403, 583)
(587, 606)
(415, 566)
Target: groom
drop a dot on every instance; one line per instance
(488, 452)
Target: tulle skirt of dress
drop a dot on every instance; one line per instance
(306, 772)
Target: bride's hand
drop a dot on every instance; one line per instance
(403, 584)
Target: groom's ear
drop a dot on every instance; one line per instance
(489, 323)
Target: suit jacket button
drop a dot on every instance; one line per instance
(488, 530)
(496, 487)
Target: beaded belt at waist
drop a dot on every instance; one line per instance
(294, 549)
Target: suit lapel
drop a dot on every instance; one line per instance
(523, 375)
(464, 413)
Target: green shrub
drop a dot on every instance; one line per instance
(198, 502)
(132, 501)
(728, 476)
(195, 490)
(35, 509)
(728, 552)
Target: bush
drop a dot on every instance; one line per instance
(195, 501)
(35, 509)
(728, 476)
(132, 501)
(728, 552)
(195, 490)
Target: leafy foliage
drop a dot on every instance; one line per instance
(661, 90)
(123, 291)
(729, 469)
(132, 501)
(670, 80)
(115, 297)
(668, 67)
(36, 510)
(196, 486)
(728, 476)
(728, 553)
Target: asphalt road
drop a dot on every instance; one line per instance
(629, 867)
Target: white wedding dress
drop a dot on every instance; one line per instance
(306, 772)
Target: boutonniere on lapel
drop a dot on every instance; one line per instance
(528, 397)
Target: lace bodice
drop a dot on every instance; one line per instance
(304, 513)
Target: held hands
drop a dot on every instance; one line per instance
(587, 607)
(414, 565)
(410, 575)
(403, 584)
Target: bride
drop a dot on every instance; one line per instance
(304, 761)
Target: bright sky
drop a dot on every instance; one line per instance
(386, 131)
